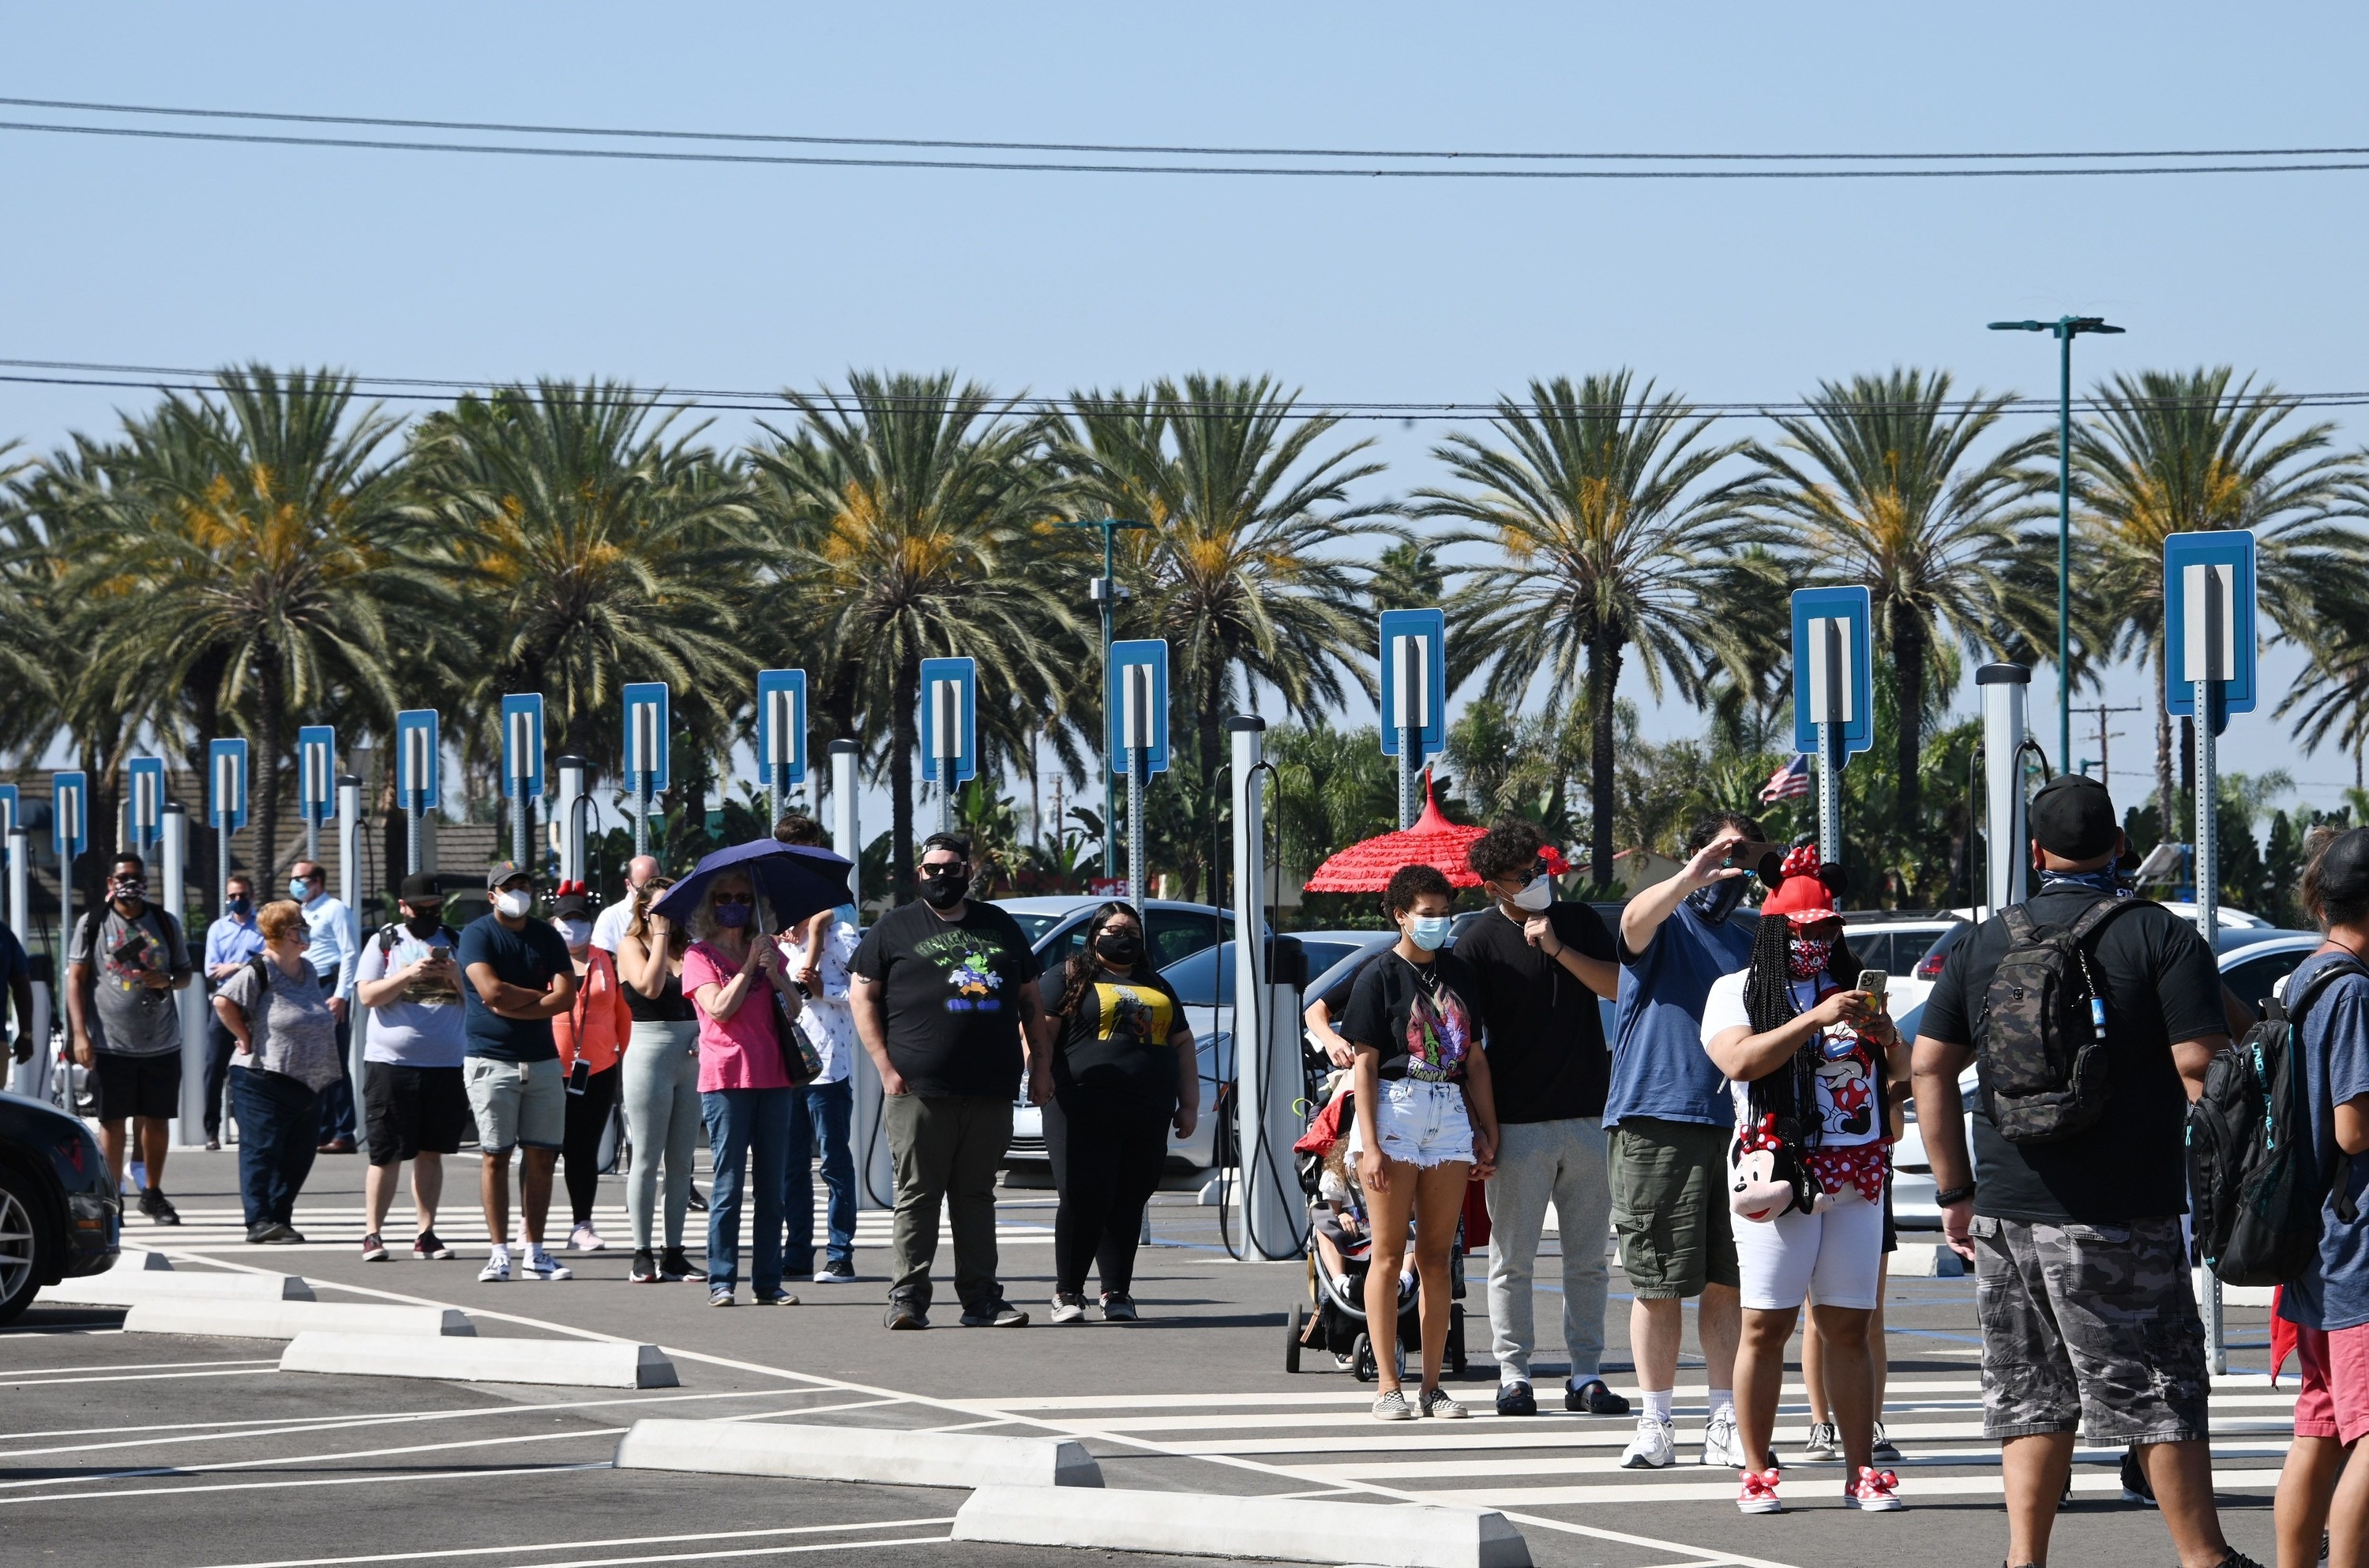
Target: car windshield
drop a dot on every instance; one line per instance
(1033, 926)
(1207, 978)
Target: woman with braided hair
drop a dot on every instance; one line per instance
(1807, 1062)
(1124, 1071)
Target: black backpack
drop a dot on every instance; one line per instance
(2257, 1208)
(2042, 1039)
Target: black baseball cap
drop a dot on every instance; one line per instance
(2341, 875)
(2073, 817)
(421, 885)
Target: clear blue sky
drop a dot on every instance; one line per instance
(412, 264)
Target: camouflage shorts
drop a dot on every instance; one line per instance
(2091, 1328)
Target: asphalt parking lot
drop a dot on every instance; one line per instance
(138, 1449)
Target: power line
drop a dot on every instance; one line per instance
(1154, 149)
(642, 155)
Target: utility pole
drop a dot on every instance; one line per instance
(1103, 591)
(2101, 710)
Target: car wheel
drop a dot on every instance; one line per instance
(21, 1243)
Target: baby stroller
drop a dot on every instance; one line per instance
(1340, 1245)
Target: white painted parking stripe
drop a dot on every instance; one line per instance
(316, 1481)
(752, 1552)
(1961, 1457)
(1720, 1491)
(129, 1366)
(584, 1545)
(1357, 1420)
(333, 1457)
(240, 1371)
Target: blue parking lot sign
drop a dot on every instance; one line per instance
(419, 760)
(1420, 635)
(1135, 707)
(522, 743)
(1831, 624)
(144, 777)
(2208, 584)
(316, 772)
(949, 719)
(780, 728)
(226, 783)
(648, 713)
(70, 813)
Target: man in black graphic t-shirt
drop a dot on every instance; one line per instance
(944, 996)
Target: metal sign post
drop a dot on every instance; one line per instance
(225, 797)
(875, 1181)
(188, 1129)
(950, 730)
(69, 835)
(2209, 673)
(317, 772)
(2006, 692)
(647, 772)
(419, 775)
(781, 733)
(1136, 705)
(523, 768)
(1833, 695)
(145, 802)
(1415, 691)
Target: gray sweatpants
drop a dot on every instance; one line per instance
(662, 1116)
(945, 1151)
(1541, 1163)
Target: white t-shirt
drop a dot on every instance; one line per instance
(828, 1021)
(1846, 1080)
(610, 925)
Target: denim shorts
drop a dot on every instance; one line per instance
(1420, 1122)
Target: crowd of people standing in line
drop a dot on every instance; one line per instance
(1734, 1135)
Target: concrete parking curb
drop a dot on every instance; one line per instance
(230, 1318)
(1926, 1260)
(813, 1452)
(1200, 1524)
(579, 1363)
(128, 1287)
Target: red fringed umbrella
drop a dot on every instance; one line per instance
(1367, 867)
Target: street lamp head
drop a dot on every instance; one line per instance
(2093, 324)
(2018, 326)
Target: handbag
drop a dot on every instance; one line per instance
(614, 1157)
(798, 1058)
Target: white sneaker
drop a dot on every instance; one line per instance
(541, 1265)
(1720, 1444)
(1654, 1446)
(1824, 1443)
(1069, 1308)
(497, 1267)
(584, 1238)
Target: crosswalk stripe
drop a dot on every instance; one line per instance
(1720, 1491)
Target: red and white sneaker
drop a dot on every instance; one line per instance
(1758, 1495)
(1873, 1491)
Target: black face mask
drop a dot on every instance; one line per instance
(1121, 949)
(944, 891)
(424, 925)
(1716, 902)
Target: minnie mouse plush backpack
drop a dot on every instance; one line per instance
(1766, 1174)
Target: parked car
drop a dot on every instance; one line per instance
(60, 1216)
(2253, 960)
(1056, 927)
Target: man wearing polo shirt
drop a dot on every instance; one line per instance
(331, 952)
(232, 943)
(518, 979)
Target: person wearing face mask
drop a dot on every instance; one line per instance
(1536, 970)
(1667, 1123)
(1116, 1069)
(124, 963)
(739, 985)
(519, 977)
(945, 1000)
(332, 950)
(591, 1038)
(414, 1106)
(660, 1087)
(1427, 1121)
(1811, 1067)
(231, 941)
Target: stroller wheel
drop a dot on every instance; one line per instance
(1361, 1359)
(1294, 1327)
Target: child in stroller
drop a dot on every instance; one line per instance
(1339, 1242)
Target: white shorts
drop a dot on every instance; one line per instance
(1832, 1257)
(1421, 1123)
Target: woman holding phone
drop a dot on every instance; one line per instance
(1808, 1062)
(660, 1085)
(590, 1037)
(740, 987)
(1426, 1124)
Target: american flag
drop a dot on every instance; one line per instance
(1788, 782)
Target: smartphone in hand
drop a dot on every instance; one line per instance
(1871, 984)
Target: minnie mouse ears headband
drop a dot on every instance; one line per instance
(1805, 889)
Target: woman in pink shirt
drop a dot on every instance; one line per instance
(590, 1037)
(742, 993)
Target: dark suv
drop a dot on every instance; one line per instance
(60, 1216)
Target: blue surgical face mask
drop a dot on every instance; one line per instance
(300, 890)
(1429, 931)
(732, 913)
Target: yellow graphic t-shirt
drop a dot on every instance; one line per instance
(1116, 1041)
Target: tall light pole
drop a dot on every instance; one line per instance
(2065, 328)
(1104, 592)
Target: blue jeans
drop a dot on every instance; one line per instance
(819, 1114)
(336, 1119)
(746, 1126)
(276, 1126)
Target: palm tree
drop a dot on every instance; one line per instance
(1233, 569)
(261, 536)
(598, 547)
(1879, 485)
(909, 521)
(2174, 452)
(1609, 538)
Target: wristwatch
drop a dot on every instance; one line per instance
(1955, 1194)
